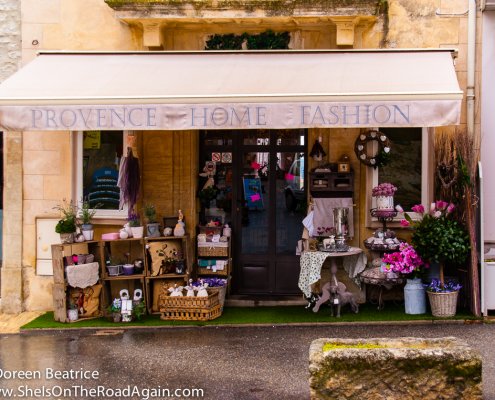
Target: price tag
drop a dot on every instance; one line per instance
(335, 301)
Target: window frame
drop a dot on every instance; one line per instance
(78, 150)
(427, 168)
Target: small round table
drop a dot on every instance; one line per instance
(312, 261)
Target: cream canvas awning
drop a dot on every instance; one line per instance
(232, 90)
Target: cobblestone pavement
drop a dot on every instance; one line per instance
(227, 363)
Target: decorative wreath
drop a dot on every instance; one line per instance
(380, 158)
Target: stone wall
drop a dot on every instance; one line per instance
(10, 37)
(93, 25)
(403, 368)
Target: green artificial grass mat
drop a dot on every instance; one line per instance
(255, 315)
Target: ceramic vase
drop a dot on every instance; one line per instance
(385, 203)
(72, 315)
(153, 230)
(137, 231)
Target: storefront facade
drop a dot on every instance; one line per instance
(200, 105)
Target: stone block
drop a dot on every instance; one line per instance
(41, 12)
(400, 368)
(11, 290)
(33, 187)
(41, 162)
(56, 187)
(37, 290)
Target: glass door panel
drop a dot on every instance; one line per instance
(291, 200)
(255, 202)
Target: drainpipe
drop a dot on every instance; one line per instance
(471, 55)
(470, 113)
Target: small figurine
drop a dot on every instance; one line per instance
(176, 291)
(180, 228)
(336, 293)
(126, 306)
(190, 289)
(202, 292)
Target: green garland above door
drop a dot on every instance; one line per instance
(267, 40)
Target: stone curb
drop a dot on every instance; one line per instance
(41, 331)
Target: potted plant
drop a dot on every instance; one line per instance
(206, 195)
(114, 309)
(135, 225)
(384, 194)
(66, 226)
(408, 263)
(86, 215)
(439, 239)
(152, 226)
(138, 310)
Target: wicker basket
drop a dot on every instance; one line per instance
(443, 304)
(206, 271)
(212, 251)
(167, 302)
(183, 314)
(221, 290)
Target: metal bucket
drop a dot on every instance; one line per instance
(340, 221)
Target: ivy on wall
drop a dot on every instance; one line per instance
(267, 40)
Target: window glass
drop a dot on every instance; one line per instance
(101, 156)
(405, 165)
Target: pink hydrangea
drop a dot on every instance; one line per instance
(404, 262)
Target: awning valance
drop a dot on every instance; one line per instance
(232, 90)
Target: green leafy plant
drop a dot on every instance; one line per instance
(138, 310)
(208, 193)
(149, 211)
(115, 306)
(68, 211)
(267, 40)
(86, 213)
(437, 237)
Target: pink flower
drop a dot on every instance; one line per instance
(404, 222)
(441, 205)
(450, 208)
(399, 208)
(418, 208)
(437, 214)
(432, 208)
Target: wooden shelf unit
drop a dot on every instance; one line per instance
(208, 273)
(60, 285)
(156, 284)
(111, 285)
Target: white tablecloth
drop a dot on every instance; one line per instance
(354, 262)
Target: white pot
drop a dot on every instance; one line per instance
(72, 315)
(137, 231)
(88, 235)
(385, 203)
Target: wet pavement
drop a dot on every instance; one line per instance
(227, 363)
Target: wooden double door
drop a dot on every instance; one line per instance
(260, 176)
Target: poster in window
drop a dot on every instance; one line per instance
(252, 193)
(92, 140)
